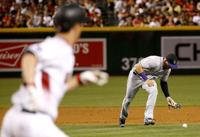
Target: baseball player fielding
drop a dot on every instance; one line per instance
(143, 75)
(47, 69)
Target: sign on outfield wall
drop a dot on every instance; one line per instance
(186, 48)
(90, 53)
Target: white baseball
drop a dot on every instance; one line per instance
(185, 125)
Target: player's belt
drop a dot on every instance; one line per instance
(28, 111)
(34, 112)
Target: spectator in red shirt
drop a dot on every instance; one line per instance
(137, 21)
(189, 6)
(180, 2)
(6, 21)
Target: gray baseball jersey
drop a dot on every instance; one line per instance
(153, 66)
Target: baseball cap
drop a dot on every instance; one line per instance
(172, 60)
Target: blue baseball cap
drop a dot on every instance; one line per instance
(172, 60)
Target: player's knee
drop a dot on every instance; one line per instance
(156, 92)
(153, 90)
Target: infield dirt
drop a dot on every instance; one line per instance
(109, 115)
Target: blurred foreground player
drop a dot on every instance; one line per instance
(144, 75)
(47, 74)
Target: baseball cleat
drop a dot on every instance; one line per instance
(122, 122)
(149, 121)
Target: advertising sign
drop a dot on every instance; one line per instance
(186, 48)
(90, 53)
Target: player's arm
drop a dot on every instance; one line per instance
(165, 89)
(96, 77)
(140, 71)
(164, 84)
(29, 61)
(28, 65)
(170, 101)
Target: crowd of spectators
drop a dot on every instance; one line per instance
(157, 12)
(40, 13)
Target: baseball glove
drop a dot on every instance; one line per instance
(97, 77)
(173, 104)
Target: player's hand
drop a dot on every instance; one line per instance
(150, 83)
(172, 103)
(97, 77)
(35, 97)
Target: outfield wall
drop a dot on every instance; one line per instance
(111, 49)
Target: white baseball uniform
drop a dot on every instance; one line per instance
(153, 68)
(55, 64)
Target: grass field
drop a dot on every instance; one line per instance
(184, 89)
(132, 131)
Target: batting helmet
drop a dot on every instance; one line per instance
(67, 16)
